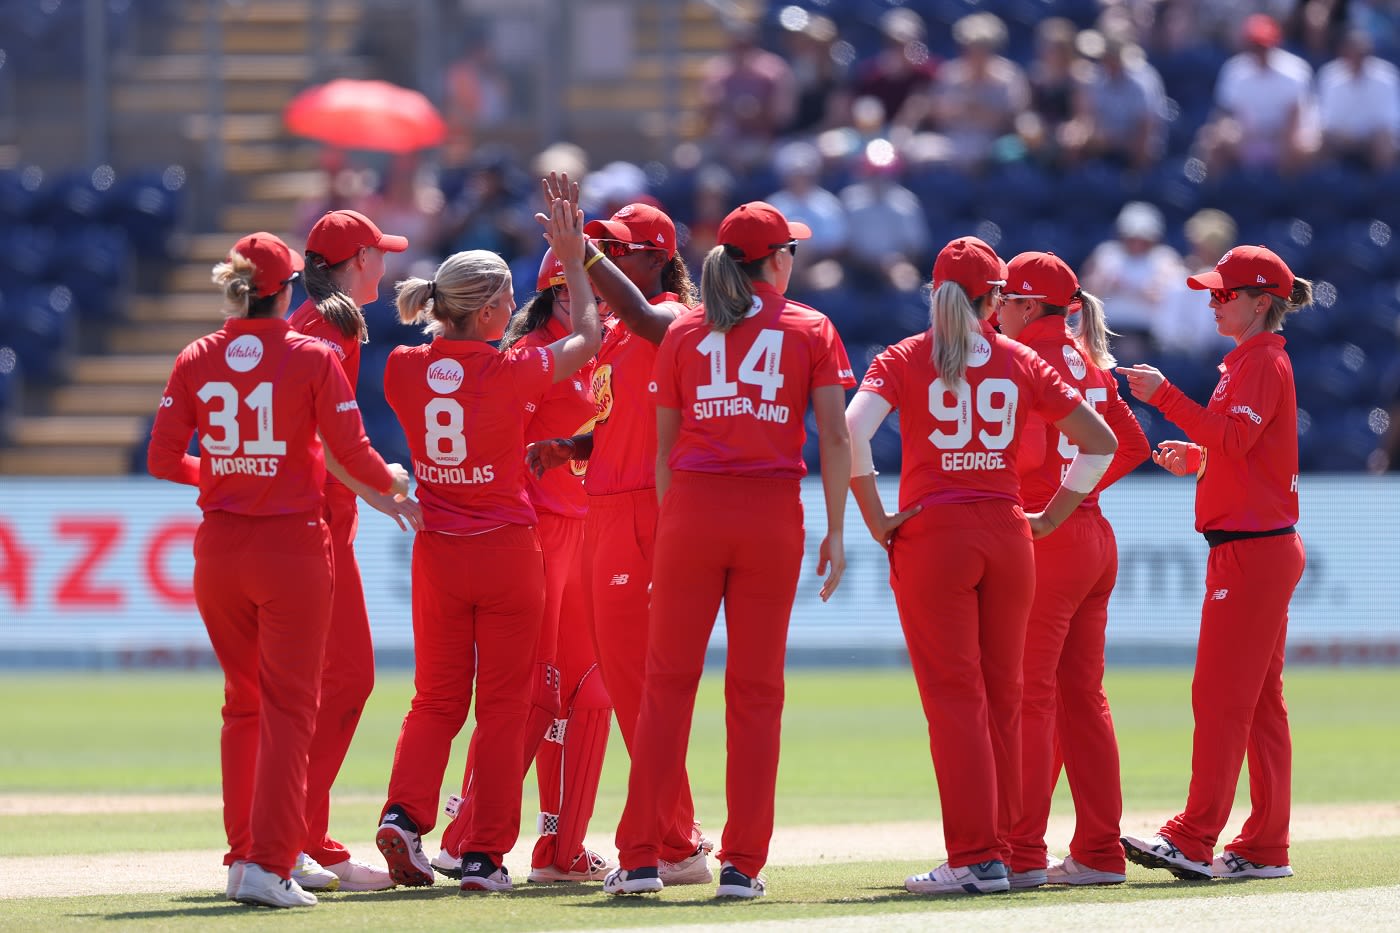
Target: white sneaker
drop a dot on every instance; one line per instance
(262, 888)
(587, 866)
(1025, 880)
(637, 881)
(312, 876)
(235, 878)
(1160, 852)
(447, 865)
(402, 848)
(1069, 871)
(692, 870)
(480, 873)
(982, 878)
(360, 876)
(734, 883)
(1229, 865)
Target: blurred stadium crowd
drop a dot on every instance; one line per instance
(1135, 138)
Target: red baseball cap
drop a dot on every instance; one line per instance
(340, 234)
(758, 230)
(1262, 29)
(1044, 276)
(1248, 267)
(274, 262)
(639, 223)
(551, 271)
(971, 263)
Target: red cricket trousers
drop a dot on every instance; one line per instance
(963, 578)
(263, 587)
(1237, 699)
(1075, 569)
(736, 540)
(346, 679)
(618, 540)
(563, 659)
(477, 605)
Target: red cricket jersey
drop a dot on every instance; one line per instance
(961, 446)
(743, 395)
(624, 436)
(258, 392)
(566, 409)
(1050, 338)
(307, 320)
(1249, 435)
(463, 405)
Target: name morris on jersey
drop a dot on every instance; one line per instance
(243, 466)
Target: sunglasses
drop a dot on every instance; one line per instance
(1227, 295)
(790, 246)
(616, 249)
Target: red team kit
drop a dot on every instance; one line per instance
(549, 597)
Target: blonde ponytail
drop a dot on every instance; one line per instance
(1093, 331)
(726, 289)
(954, 321)
(463, 285)
(1279, 308)
(234, 276)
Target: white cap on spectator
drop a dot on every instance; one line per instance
(1140, 221)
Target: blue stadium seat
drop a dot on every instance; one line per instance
(1348, 436)
(20, 194)
(147, 205)
(98, 271)
(41, 330)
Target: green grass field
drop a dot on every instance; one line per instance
(854, 752)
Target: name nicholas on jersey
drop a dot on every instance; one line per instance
(454, 476)
(739, 405)
(243, 466)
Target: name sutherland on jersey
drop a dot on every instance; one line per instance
(730, 407)
(461, 476)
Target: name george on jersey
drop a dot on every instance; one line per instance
(740, 405)
(243, 466)
(454, 476)
(959, 460)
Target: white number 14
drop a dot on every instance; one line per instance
(758, 368)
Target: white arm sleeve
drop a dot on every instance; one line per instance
(864, 416)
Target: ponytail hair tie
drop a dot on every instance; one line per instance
(432, 289)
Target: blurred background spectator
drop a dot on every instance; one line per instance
(1185, 325)
(1265, 105)
(801, 198)
(1133, 273)
(901, 71)
(979, 94)
(1120, 108)
(749, 94)
(1358, 101)
(889, 243)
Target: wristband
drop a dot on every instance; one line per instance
(1085, 471)
(593, 261)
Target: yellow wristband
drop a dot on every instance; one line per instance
(592, 262)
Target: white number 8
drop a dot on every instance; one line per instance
(445, 442)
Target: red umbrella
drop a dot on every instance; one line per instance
(373, 115)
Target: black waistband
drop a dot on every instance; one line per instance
(1217, 538)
